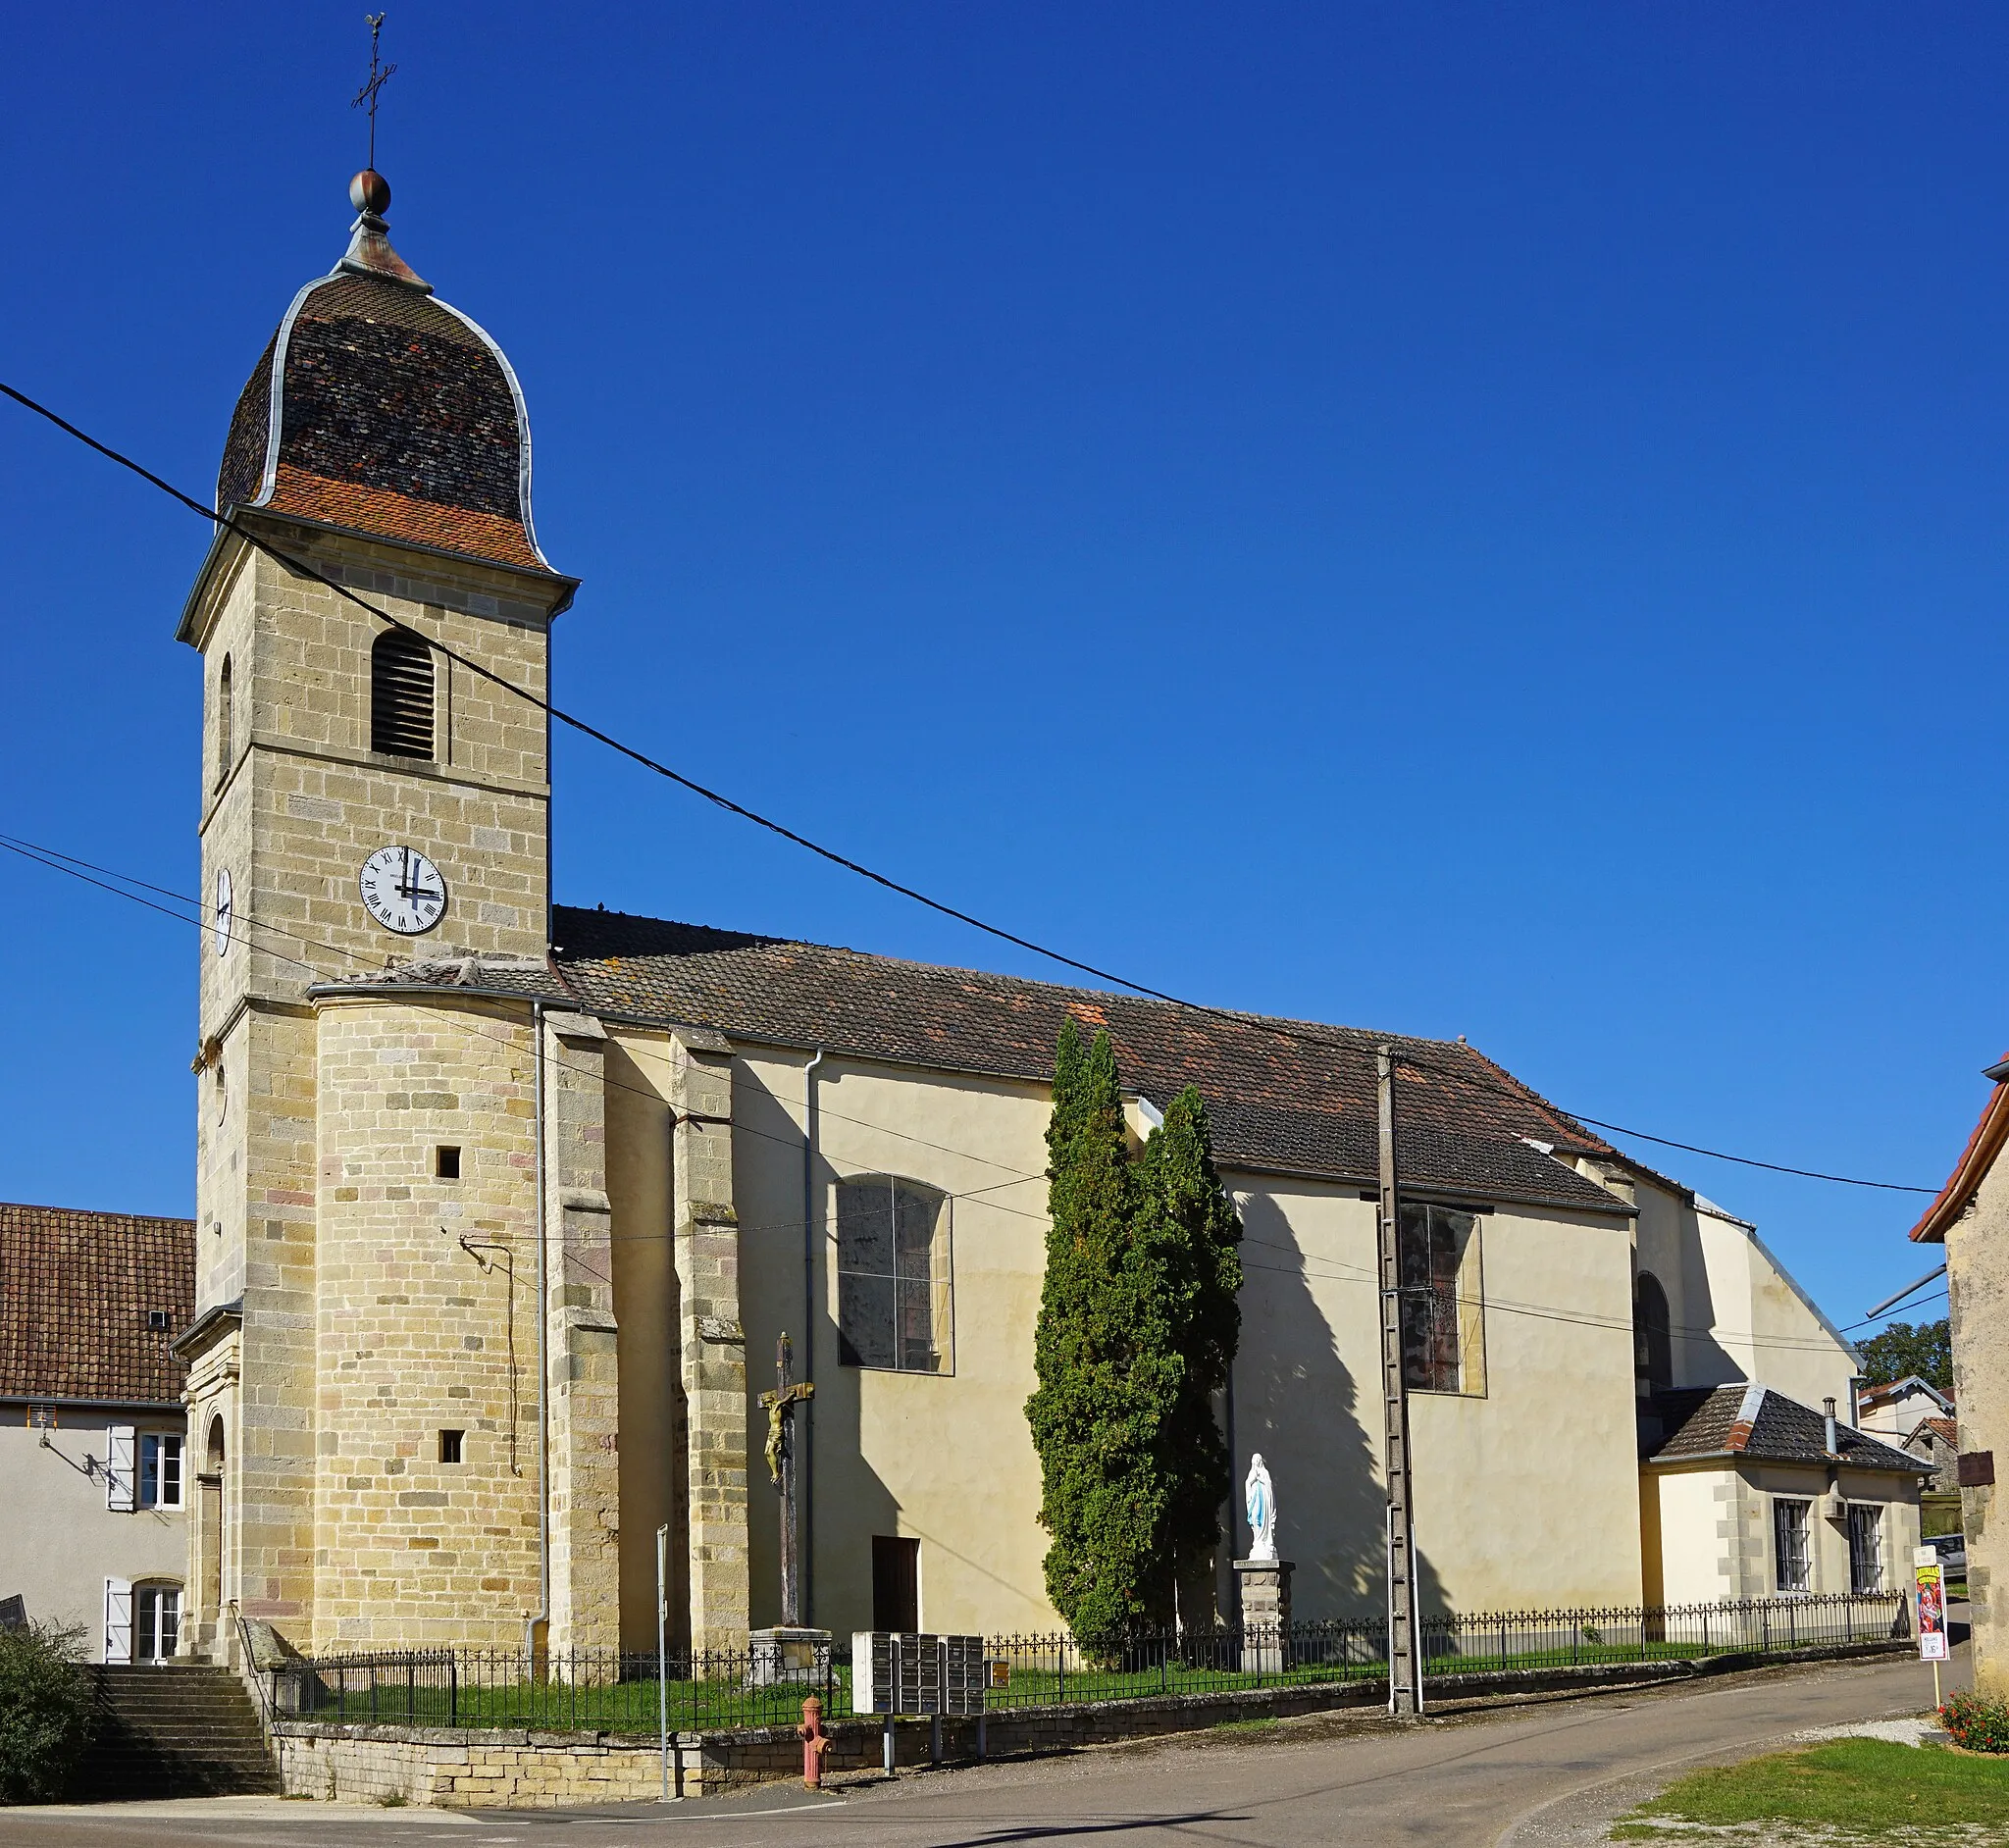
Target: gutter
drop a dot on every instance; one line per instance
(806, 1568)
(541, 1618)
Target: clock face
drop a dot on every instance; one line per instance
(225, 909)
(403, 890)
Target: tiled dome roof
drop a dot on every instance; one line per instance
(377, 407)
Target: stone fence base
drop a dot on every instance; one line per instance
(453, 1768)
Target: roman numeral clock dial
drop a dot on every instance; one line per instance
(403, 890)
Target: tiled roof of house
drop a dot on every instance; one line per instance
(395, 416)
(1945, 1431)
(1750, 1421)
(1971, 1170)
(1911, 1386)
(1284, 1096)
(80, 1295)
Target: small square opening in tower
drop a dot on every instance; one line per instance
(447, 1163)
(450, 1446)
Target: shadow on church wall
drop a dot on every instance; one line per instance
(1299, 1403)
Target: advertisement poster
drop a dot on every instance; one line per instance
(1932, 1603)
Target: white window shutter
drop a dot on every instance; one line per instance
(118, 1620)
(119, 1467)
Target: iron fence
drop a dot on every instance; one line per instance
(625, 1692)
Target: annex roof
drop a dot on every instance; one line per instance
(1284, 1096)
(1748, 1421)
(88, 1302)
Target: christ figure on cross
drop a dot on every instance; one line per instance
(781, 1407)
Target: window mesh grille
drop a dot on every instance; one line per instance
(401, 696)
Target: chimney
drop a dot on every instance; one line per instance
(1828, 1405)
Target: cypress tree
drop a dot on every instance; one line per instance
(1185, 1213)
(1110, 1373)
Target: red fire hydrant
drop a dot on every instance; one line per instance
(815, 1742)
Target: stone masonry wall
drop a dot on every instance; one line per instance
(1978, 1278)
(712, 1336)
(425, 1321)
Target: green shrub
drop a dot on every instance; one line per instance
(45, 1712)
(1980, 1726)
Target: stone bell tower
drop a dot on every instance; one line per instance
(371, 799)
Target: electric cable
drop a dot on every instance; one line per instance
(1520, 1095)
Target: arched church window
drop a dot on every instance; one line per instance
(223, 721)
(401, 696)
(894, 1286)
(1653, 1346)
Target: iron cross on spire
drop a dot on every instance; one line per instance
(378, 77)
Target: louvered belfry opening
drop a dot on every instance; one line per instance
(401, 696)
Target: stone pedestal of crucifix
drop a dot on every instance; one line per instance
(786, 1652)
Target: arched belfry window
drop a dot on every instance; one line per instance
(223, 721)
(401, 696)
(1653, 1343)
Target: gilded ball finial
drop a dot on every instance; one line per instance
(370, 192)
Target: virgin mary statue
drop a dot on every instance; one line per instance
(1258, 1497)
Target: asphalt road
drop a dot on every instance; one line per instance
(1522, 1777)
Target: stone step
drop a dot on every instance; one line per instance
(181, 1730)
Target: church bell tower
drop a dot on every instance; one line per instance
(374, 797)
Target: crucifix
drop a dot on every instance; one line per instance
(781, 1407)
(377, 78)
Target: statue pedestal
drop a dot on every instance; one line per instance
(1266, 1599)
(789, 1656)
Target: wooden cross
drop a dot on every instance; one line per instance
(378, 79)
(781, 1407)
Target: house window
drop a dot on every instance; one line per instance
(450, 1445)
(447, 1163)
(1442, 1335)
(401, 696)
(1653, 1346)
(160, 1470)
(1864, 1546)
(156, 1621)
(1789, 1542)
(893, 1307)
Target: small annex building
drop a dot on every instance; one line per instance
(1749, 1494)
(1919, 1420)
(504, 1206)
(93, 1523)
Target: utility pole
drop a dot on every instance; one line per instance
(1405, 1655)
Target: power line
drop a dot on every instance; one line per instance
(1520, 1095)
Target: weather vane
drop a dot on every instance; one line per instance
(377, 78)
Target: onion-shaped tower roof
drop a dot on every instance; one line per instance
(379, 408)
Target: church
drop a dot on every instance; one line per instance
(504, 1206)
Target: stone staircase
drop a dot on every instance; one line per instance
(180, 1730)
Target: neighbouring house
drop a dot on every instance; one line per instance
(503, 1205)
(1747, 1493)
(91, 1424)
(1920, 1418)
(1969, 1217)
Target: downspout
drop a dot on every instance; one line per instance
(543, 1615)
(809, 1405)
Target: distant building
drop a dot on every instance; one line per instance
(1921, 1420)
(92, 1457)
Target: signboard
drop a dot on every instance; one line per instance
(1932, 1603)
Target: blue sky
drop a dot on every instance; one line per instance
(1451, 519)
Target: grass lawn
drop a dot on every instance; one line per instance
(1862, 1790)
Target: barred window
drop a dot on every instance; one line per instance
(1789, 1542)
(1653, 1347)
(1864, 1546)
(401, 696)
(893, 1303)
(1441, 1331)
